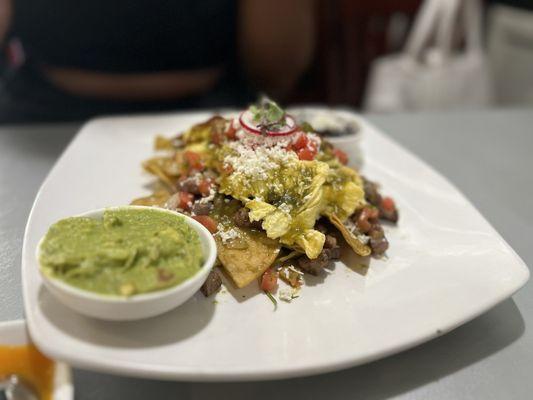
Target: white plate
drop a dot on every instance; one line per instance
(13, 333)
(446, 265)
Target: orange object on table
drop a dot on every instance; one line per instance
(30, 364)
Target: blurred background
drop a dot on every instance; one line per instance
(65, 60)
(353, 34)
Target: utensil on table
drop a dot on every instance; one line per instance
(16, 388)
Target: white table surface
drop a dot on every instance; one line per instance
(486, 154)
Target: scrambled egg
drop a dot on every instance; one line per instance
(290, 195)
(286, 194)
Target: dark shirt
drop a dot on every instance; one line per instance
(119, 36)
(127, 35)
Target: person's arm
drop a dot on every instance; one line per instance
(276, 41)
(5, 18)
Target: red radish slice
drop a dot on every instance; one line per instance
(247, 122)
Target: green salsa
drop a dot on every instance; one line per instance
(127, 252)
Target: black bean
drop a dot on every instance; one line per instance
(389, 215)
(242, 219)
(379, 246)
(211, 284)
(330, 242)
(371, 192)
(199, 208)
(314, 266)
(321, 228)
(190, 185)
(333, 253)
(324, 260)
(376, 231)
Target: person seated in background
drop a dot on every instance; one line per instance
(70, 60)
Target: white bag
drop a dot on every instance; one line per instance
(511, 54)
(426, 77)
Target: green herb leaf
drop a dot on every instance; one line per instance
(268, 115)
(274, 113)
(306, 127)
(256, 112)
(272, 299)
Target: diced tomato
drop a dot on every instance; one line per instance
(205, 187)
(193, 160)
(341, 155)
(269, 281)
(208, 222)
(231, 133)
(388, 204)
(307, 153)
(301, 142)
(186, 200)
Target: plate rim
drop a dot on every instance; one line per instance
(520, 277)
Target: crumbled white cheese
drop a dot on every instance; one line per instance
(209, 197)
(352, 227)
(288, 294)
(285, 294)
(254, 157)
(363, 238)
(313, 137)
(291, 267)
(227, 235)
(197, 177)
(286, 208)
(241, 134)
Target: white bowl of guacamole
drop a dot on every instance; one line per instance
(125, 263)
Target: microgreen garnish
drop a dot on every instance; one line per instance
(268, 116)
(272, 299)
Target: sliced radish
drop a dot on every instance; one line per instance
(247, 122)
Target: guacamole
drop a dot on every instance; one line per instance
(127, 252)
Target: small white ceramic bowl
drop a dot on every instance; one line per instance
(116, 308)
(13, 333)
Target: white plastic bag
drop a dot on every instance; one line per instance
(426, 76)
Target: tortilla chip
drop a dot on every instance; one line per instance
(158, 199)
(163, 143)
(153, 166)
(357, 246)
(246, 265)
